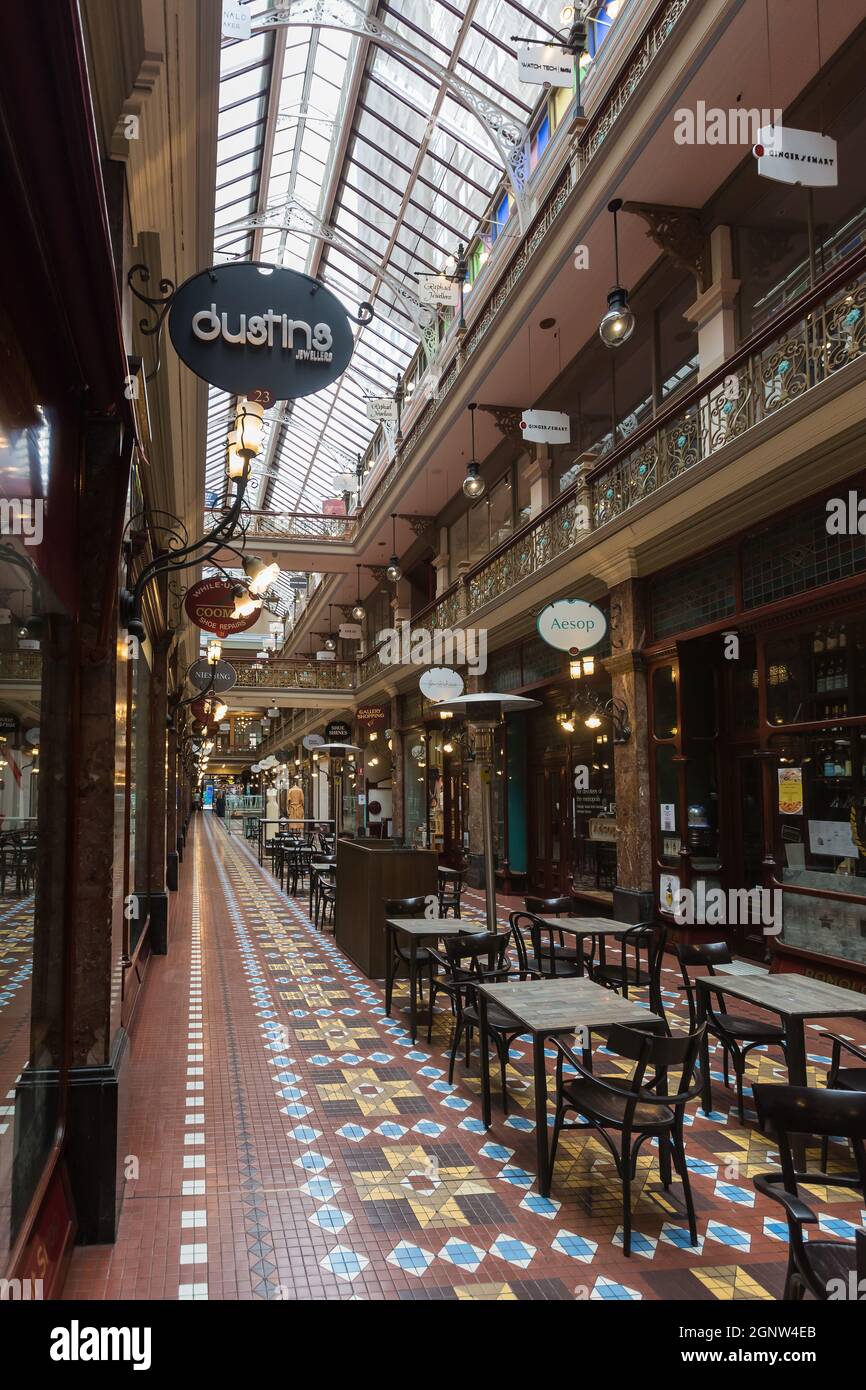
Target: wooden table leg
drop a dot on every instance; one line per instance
(389, 967)
(542, 1145)
(484, 1044)
(706, 1081)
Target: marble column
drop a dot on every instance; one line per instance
(634, 866)
(398, 824)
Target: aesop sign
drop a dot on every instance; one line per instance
(572, 625)
(260, 331)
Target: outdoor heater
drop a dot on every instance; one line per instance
(484, 712)
(336, 754)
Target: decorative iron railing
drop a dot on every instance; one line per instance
(20, 666)
(300, 526)
(296, 675)
(803, 348)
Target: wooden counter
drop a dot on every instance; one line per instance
(368, 872)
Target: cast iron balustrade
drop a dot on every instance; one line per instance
(299, 526)
(296, 675)
(803, 347)
(21, 666)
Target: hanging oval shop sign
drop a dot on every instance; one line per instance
(441, 683)
(210, 604)
(312, 741)
(571, 625)
(260, 331)
(220, 676)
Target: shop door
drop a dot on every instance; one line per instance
(550, 860)
(452, 853)
(747, 851)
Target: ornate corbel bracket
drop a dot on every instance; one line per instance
(679, 233)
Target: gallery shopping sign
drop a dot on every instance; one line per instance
(260, 331)
(797, 156)
(572, 625)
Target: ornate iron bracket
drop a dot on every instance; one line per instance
(588, 702)
(679, 233)
(159, 306)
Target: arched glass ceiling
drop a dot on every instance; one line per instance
(376, 146)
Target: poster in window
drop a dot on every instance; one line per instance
(790, 791)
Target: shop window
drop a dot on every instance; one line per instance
(500, 217)
(664, 684)
(539, 142)
(559, 105)
(816, 675)
(797, 555)
(694, 596)
(820, 834)
(415, 781)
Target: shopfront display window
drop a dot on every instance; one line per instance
(415, 784)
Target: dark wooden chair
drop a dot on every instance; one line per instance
(450, 884)
(826, 1269)
(410, 907)
(463, 968)
(737, 1033)
(326, 897)
(841, 1078)
(530, 935)
(549, 951)
(637, 1108)
(629, 972)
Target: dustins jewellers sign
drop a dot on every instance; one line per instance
(260, 331)
(572, 625)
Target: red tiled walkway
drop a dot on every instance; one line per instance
(288, 1141)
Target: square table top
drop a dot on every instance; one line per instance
(563, 1006)
(587, 926)
(434, 926)
(789, 995)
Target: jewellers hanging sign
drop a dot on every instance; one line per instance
(438, 291)
(797, 156)
(211, 604)
(260, 331)
(572, 625)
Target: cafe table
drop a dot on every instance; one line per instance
(545, 1008)
(604, 928)
(418, 931)
(795, 998)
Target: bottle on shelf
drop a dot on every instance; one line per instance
(843, 636)
(818, 641)
(832, 641)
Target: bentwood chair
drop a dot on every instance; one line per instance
(462, 963)
(326, 897)
(629, 972)
(737, 1033)
(535, 947)
(636, 1108)
(450, 885)
(551, 949)
(841, 1078)
(827, 1269)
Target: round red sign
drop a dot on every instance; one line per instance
(210, 604)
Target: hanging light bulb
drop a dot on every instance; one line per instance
(358, 610)
(214, 650)
(245, 603)
(393, 570)
(474, 485)
(617, 324)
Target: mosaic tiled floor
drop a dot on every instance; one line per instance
(300, 1146)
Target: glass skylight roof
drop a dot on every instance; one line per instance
(377, 147)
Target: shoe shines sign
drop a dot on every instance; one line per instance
(260, 331)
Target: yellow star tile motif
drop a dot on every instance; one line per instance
(730, 1282)
(372, 1094)
(485, 1293)
(406, 1175)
